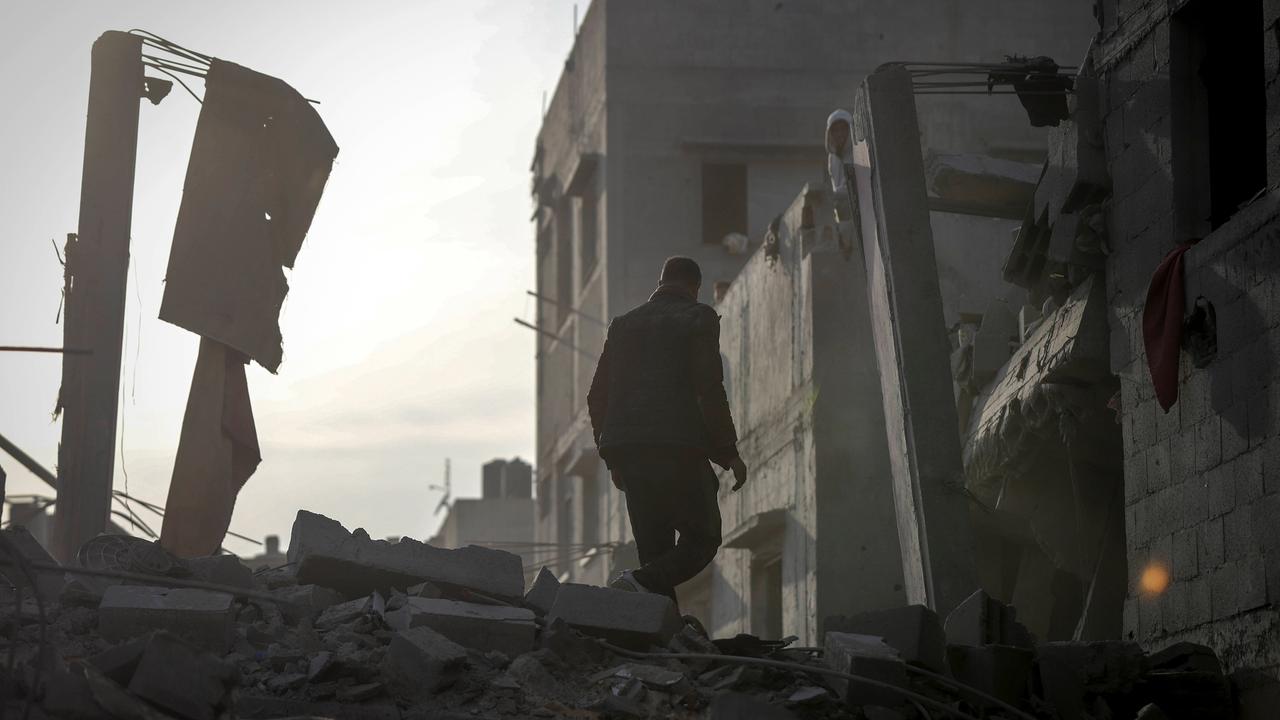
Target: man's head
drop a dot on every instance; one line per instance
(682, 272)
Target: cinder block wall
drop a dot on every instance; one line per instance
(1202, 482)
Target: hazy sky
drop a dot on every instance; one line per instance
(399, 346)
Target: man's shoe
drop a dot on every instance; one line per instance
(626, 580)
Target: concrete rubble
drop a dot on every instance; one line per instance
(431, 640)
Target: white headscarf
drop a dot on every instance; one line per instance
(836, 160)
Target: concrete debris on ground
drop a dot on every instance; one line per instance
(425, 633)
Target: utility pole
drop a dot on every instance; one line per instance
(97, 264)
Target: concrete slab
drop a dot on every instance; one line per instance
(625, 618)
(908, 326)
(914, 631)
(480, 627)
(203, 617)
(869, 657)
(353, 563)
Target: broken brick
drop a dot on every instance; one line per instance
(868, 657)
(481, 627)
(201, 616)
(914, 631)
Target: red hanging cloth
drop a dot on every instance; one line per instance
(1162, 325)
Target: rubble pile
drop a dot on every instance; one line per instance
(360, 628)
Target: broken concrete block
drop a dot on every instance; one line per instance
(626, 618)
(1069, 670)
(1151, 711)
(570, 645)
(221, 569)
(119, 662)
(306, 601)
(360, 693)
(68, 695)
(1257, 694)
(914, 631)
(326, 554)
(48, 582)
(869, 657)
(653, 677)
(999, 670)
(529, 672)
(1193, 694)
(346, 612)
(543, 593)
(1186, 657)
(481, 627)
(201, 616)
(424, 589)
(319, 665)
(422, 660)
(178, 677)
(284, 682)
(983, 620)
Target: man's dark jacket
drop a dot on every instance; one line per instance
(659, 381)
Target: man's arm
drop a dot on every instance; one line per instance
(709, 384)
(598, 395)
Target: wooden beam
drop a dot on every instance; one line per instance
(97, 271)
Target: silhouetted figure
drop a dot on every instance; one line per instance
(659, 413)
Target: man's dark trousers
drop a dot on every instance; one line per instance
(670, 490)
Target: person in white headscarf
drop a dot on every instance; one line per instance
(839, 157)
(839, 148)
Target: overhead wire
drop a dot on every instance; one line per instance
(151, 38)
(153, 578)
(177, 79)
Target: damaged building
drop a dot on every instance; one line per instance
(725, 166)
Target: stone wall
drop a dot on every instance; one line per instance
(1202, 481)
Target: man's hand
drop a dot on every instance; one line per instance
(739, 469)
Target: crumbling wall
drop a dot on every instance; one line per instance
(804, 389)
(1202, 481)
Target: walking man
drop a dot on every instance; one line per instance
(659, 414)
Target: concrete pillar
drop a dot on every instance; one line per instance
(911, 345)
(97, 269)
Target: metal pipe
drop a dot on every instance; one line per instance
(28, 462)
(33, 349)
(570, 308)
(555, 337)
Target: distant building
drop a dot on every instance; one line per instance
(271, 556)
(502, 519)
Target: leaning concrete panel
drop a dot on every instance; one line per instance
(911, 345)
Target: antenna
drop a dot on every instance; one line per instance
(575, 19)
(447, 488)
